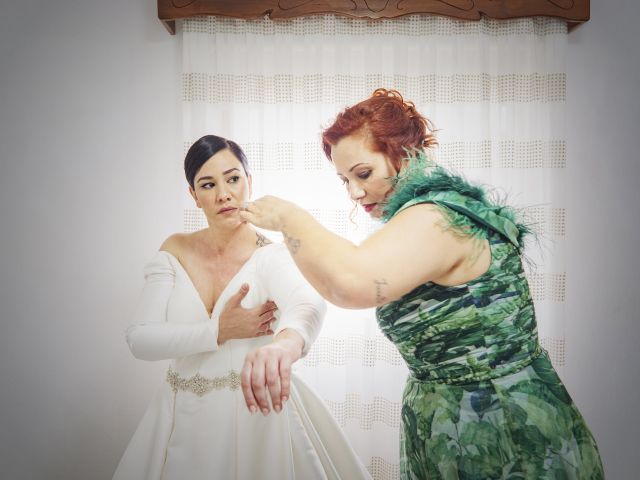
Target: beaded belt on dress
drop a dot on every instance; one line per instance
(202, 385)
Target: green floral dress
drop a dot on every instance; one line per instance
(482, 400)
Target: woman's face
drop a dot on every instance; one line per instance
(365, 172)
(220, 187)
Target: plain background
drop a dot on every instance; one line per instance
(90, 185)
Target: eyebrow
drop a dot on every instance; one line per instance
(209, 177)
(351, 169)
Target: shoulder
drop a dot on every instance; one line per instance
(175, 243)
(418, 225)
(436, 218)
(170, 252)
(273, 255)
(426, 202)
(272, 250)
(421, 224)
(418, 216)
(181, 244)
(262, 241)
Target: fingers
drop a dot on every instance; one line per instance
(258, 383)
(260, 214)
(266, 318)
(247, 216)
(266, 307)
(262, 333)
(237, 297)
(266, 380)
(285, 379)
(273, 383)
(265, 327)
(245, 381)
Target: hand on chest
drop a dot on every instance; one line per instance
(213, 284)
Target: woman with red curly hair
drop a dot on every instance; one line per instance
(482, 399)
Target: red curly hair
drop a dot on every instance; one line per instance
(391, 123)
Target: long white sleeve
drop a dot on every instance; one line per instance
(151, 336)
(301, 307)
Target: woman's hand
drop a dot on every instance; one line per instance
(267, 372)
(239, 322)
(267, 212)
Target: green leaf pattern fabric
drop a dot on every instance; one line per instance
(482, 400)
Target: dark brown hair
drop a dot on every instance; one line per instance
(205, 148)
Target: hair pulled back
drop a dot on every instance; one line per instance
(389, 122)
(206, 147)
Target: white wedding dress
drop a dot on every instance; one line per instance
(197, 425)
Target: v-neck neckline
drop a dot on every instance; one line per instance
(193, 286)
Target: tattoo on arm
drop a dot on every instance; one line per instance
(261, 240)
(380, 298)
(292, 243)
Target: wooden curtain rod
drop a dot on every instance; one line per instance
(574, 12)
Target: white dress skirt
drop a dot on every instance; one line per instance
(197, 425)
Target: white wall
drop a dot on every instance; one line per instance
(90, 184)
(91, 153)
(603, 228)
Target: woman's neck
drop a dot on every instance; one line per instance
(224, 241)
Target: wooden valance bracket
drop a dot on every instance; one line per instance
(574, 12)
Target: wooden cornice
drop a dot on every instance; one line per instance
(573, 11)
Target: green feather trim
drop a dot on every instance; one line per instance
(466, 207)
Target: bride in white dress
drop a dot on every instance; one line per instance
(206, 304)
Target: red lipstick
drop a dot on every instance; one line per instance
(226, 210)
(369, 206)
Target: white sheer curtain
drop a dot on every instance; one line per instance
(496, 91)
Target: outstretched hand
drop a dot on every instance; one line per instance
(239, 322)
(267, 212)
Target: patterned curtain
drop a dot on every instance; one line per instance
(494, 89)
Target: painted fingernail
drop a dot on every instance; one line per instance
(265, 411)
(252, 409)
(277, 408)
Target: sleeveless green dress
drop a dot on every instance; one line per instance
(482, 400)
